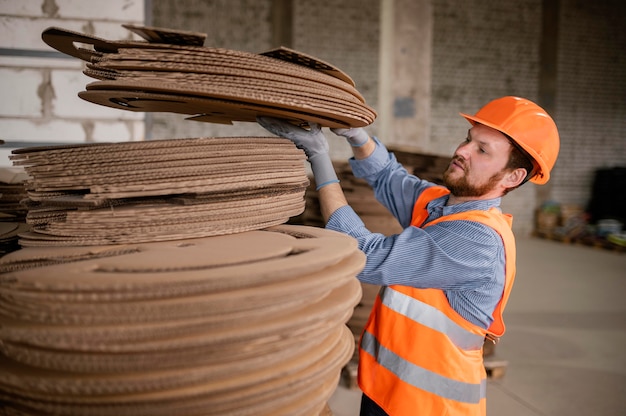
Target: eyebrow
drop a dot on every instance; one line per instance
(480, 142)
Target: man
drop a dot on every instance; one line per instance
(446, 278)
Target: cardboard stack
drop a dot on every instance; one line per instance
(160, 277)
(214, 84)
(249, 323)
(158, 190)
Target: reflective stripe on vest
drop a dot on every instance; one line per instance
(421, 378)
(432, 317)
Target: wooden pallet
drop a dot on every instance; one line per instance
(587, 240)
(496, 369)
(349, 375)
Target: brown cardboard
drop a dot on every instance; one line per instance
(117, 193)
(214, 84)
(242, 323)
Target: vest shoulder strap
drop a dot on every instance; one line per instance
(419, 209)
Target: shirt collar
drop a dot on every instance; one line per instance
(437, 207)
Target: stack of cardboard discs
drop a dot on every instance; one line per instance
(12, 212)
(249, 323)
(159, 277)
(214, 84)
(110, 193)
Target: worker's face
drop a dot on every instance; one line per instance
(478, 165)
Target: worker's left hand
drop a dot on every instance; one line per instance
(312, 141)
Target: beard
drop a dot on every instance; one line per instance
(461, 187)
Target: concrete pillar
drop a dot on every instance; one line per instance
(282, 23)
(548, 55)
(405, 72)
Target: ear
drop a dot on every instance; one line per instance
(514, 178)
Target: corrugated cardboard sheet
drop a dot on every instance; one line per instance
(159, 277)
(249, 323)
(213, 84)
(112, 193)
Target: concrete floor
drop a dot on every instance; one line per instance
(566, 336)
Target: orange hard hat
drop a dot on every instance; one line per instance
(528, 125)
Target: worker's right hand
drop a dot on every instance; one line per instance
(357, 136)
(312, 141)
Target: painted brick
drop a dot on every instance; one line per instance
(345, 34)
(19, 90)
(118, 131)
(115, 10)
(122, 10)
(470, 68)
(590, 102)
(67, 104)
(232, 24)
(44, 105)
(27, 62)
(20, 8)
(5, 152)
(25, 33)
(53, 131)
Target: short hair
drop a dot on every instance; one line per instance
(519, 158)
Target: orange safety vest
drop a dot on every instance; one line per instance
(417, 355)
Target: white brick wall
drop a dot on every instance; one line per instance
(591, 99)
(20, 86)
(481, 50)
(243, 25)
(40, 88)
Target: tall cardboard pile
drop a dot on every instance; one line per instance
(247, 323)
(159, 277)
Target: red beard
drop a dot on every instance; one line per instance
(462, 188)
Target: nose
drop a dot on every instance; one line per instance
(462, 150)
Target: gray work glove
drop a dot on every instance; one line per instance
(357, 137)
(313, 143)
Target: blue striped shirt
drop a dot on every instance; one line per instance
(463, 258)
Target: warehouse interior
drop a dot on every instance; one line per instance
(416, 64)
